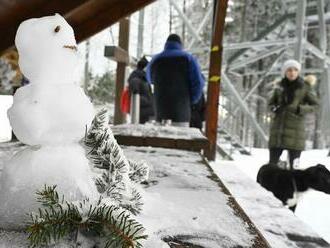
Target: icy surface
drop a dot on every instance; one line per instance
(30, 169)
(50, 114)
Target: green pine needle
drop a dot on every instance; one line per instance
(59, 219)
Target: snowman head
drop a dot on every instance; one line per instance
(47, 50)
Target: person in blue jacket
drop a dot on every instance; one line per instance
(178, 82)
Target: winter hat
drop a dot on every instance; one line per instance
(142, 63)
(174, 37)
(290, 63)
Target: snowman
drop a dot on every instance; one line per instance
(50, 115)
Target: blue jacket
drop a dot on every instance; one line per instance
(196, 80)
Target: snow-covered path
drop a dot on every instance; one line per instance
(313, 207)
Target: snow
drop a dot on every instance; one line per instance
(57, 114)
(65, 166)
(5, 129)
(50, 114)
(183, 202)
(58, 110)
(269, 214)
(42, 56)
(179, 201)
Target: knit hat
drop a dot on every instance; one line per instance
(289, 64)
(174, 37)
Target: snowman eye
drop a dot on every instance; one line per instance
(57, 29)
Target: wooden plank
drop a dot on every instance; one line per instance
(188, 145)
(117, 54)
(130, 140)
(119, 116)
(180, 181)
(176, 173)
(94, 16)
(213, 91)
(87, 17)
(161, 142)
(192, 145)
(158, 136)
(11, 15)
(259, 240)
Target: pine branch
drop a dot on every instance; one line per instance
(105, 153)
(48, 196)
(139, 171)
(59, 220)
(97, 126)
(135, 203)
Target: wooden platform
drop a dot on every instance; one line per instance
(186, 204)
(181, 138)
(189, 206)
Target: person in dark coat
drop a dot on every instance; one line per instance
(291, 100)
(178, 82)
(137, 84)
(198, 111)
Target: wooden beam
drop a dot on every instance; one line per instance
(11, 15)
(87, 17)
(190, 139)
(121, 69)
(116, 54)
(94, 16)
(213, 91)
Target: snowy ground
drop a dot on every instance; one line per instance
(313, 207)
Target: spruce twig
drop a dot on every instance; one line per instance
(60, 219)
(120, 173)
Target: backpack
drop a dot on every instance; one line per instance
(125, 101)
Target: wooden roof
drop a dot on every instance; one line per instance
(87, 17)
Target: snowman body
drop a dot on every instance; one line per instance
(50, 115)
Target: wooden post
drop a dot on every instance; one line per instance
(220, 9)
(121, 69)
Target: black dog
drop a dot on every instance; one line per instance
(285, 183)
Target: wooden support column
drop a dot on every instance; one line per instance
(220, 9)
(121, 69)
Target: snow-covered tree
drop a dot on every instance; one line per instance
(6, 75)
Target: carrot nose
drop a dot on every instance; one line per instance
(71, 47)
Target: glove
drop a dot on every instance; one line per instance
(276, 108)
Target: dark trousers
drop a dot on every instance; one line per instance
(275, 154)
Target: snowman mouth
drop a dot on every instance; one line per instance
(74, 48)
